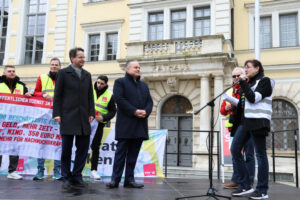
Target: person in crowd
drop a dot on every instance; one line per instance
(45, 88)
(105, 110)
(10, 83)
(232, 123)
(256, 106)
(73, 109)
(134, 105)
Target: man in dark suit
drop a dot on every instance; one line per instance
(73, 108)
(134, 105)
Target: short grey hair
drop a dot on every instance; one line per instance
(239, 68)
(129, 61)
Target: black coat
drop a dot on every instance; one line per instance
(131, 95)
(73, 101)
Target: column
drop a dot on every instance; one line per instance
(218, 88)
(205, 113)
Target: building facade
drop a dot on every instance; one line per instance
(187, 50)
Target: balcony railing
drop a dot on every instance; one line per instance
(177, 47)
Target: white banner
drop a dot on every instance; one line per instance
(28, 130)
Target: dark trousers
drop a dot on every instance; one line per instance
(240, 139)
(250, 163)
(127, 151)
(96, 145)
(13, 163)
(82, 147)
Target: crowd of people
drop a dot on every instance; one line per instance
(76, 103)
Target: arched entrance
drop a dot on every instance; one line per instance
(284, 118)
(176, 115)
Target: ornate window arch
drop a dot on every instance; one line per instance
(284, 118)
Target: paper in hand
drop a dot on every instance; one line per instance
(234, 101)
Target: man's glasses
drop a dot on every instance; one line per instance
(235, 76)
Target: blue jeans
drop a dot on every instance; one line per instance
(250, 163)
(240, 139)
(41, 164)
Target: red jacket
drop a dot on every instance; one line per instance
(235, 94)
(38, 87)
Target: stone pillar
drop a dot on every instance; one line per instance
(218, 88)
(205, 113)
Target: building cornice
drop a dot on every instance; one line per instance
(164, 2)
(272, 3)
(103, 23)
(267, 50)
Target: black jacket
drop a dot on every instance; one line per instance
(259, 125)
(131, 95)
(13, 84)
(111, 107)
(73, 101)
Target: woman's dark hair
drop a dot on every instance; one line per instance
(103, 78)
(256, 63)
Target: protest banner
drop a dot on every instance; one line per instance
(28, 130)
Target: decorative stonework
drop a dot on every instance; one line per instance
(171, 68)
(172, 82)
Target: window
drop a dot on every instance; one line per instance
(156, 26)
(288, 30)
(94, 47)
(265, 32)
(34, 36)
(178, 24)
(284, 122)
(112, 46)
(202, 21)
(3, 28)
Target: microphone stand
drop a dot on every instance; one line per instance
(211, 191)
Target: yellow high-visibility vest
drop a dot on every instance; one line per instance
(47, 85)
(5, 89)
(227, 123)
(102, 102)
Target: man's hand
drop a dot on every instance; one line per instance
(47, 97)
(99, 118)
(91, 118)
(228, 107)
(140, 113)
(27, 94)
(57, 119)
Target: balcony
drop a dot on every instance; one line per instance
(179, 47)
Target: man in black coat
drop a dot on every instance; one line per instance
(134, 105)
(73, 108)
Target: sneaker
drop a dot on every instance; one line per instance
(242, 192)
(95, 175)
(57, 175)
(39, 175)
(14, 175)
(230, 185)
(258, 195)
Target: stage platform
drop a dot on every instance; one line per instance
(155, 189)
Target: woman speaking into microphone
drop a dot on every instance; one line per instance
(255, 105)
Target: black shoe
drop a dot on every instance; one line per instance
(66, 185)
(79, 183)
(112, 185)
(133, 185)
(241, 192)
(258, 195)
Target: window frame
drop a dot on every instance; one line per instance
(37, 14)
(3, 37)
(106, 47)
(90, 49)
(296, 25)
(155, 23)
(178, 21)
(196, 19)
